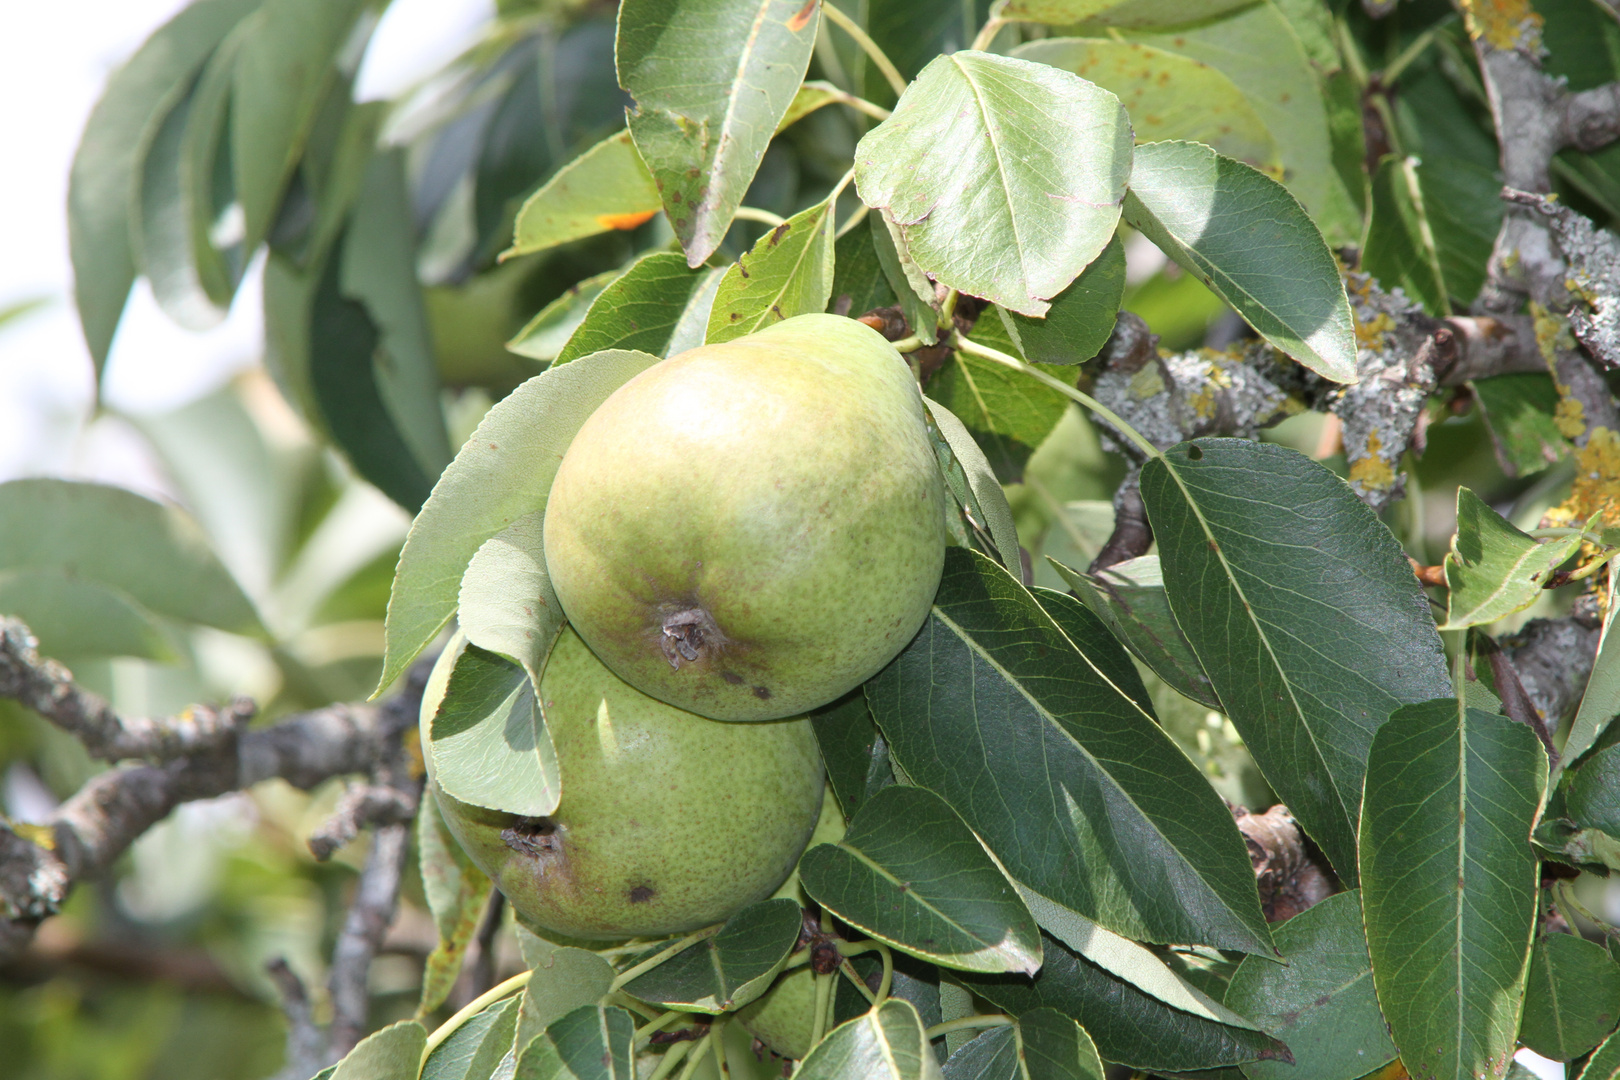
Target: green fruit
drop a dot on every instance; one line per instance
(784, 1017)
(750, 529)
(667, 822)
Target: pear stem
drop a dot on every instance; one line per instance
(718, 1032)
(672, 1057)
(849, 973)
(855, 948)
(849, 26)
(699, 1052)
(473, 1008)
(967, 1023)
(647, 1030)
(632, 973)
(824, 985)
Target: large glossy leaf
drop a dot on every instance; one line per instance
(1304, 612)
(711, 79)
(729, 969)
(590, 1043)
(1168, 96)
(607, 187)
(504, 472)
(910, 873)
(506, 603)
(1400, 248)
(1128, 1026)
(1081, 317)
(135, 99)
(1592, 792)
(285, 65)
(853, 750)
(457, 894)
(1043, 1045)
(544, 336)
(1285, 91)
(1247, 238)
(490, 744)
(886, 1043)
(1493, 569)
(1449, 882)
(972, 482)
(1601, 701)
(565, 978)
(153, 553)
(1074, 787)
(1129, 597)
(207, 188)
(1572, 998)
(788, 272)
(642, 308)
(75, 618)
(473, 1050)
(163, 230)
(1321, 1003)
(1002, 176)
(394, 1053)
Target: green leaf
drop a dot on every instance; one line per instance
(1304, 613)
(1493, 569)
(1592, 792)
(1129, 598)
(1168, 96)
(1242, 234)
(887, 1043)
(1129, 1026)
(711, 79)
(1572, 998)
(1043, 1045)
(788, 272)
(1081, 318)
(288, 59)
(1601, 700)
(1074, 787)
(641, 309)
(590, 1043)
(855, 754)
(971, 481)
(565, 979)
(122, 124)
(1119, 12)
(1604, 1064)
(1008, 413)
(1399, 248)
(473, 1050)
(1321, 1003)
(1003, 176)
(1519, 410)
(859, 283)
(379, 272)
(1285, 91)
(910, 873)
(394, 1053)
(1464, 207)
(506, 604)
(152, 553)
(491, 746)
(605, 188)
(913, 291)
(457, 894)
(544, 336)
(1449, 882)
(503, 473)
(729, 969)
(813, 94)
(74, 618)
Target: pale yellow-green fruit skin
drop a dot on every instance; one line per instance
(750, 529)
(667, 821)
(784, 1017)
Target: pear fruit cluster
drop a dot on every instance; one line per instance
(739, 534)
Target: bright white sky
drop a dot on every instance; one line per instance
(53, 61)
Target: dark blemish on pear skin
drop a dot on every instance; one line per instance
(532, 837)
(761, 692)
(732, 677)
(641, 894)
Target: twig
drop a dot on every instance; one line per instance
(47, 687)
(363, 804)
(363, 930)
(307, 1052)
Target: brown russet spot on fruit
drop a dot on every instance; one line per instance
(641, 894)
(732, 677)
(762, 692)
(532, 837)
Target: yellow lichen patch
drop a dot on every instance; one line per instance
(1146, 383)
(1372, 472)
(1596, 488)
(1570, 417)
(1216, 379)
(1552, 336)
(42, 835)
(1505, 24)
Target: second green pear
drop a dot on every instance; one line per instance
(750, 529)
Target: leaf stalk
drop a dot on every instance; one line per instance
(868, 46)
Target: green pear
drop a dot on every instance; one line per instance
(784, 1017)
(667, 821)
(750, 529)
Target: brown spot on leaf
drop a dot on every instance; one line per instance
(801, 18)
(628, 221)
(779, 232)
